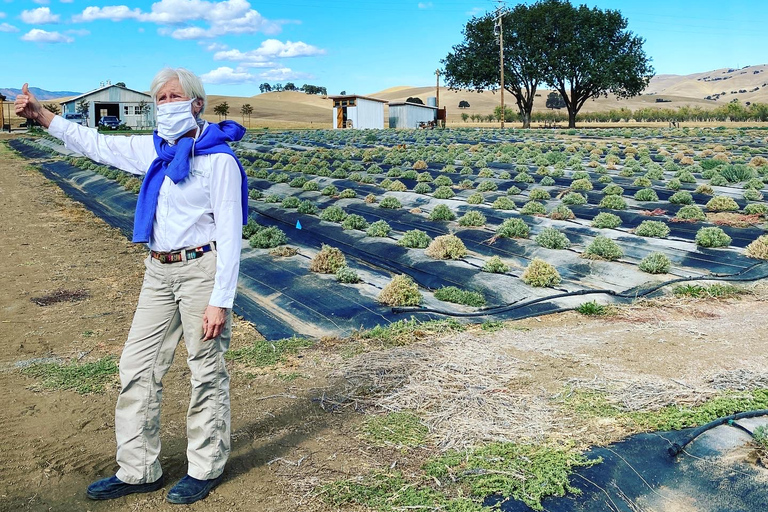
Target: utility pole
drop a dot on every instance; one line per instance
(437, 89)
(498, 29)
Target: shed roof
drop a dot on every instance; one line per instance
(400, 103)
(350, 96)
(101, 89)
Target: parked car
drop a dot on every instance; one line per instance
(76, 118)
(111, 122)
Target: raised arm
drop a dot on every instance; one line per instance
(132, 154)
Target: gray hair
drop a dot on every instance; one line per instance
(190, 84)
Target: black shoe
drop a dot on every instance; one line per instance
(189, 490)
(113, 487)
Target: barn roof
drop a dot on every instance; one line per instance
(350, 96)
(400, 103)
(101, 89)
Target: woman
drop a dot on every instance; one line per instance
(190, 211)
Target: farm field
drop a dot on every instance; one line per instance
(489, 225)
(508, 198)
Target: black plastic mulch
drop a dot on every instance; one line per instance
(281, 298)
(638, 474)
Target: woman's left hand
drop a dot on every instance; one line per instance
(214, 319)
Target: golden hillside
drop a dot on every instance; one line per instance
(289, 109)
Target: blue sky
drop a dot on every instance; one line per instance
(355, 46)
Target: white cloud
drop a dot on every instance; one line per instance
(268, 50)
(5, 27)
(281, 74)
(214, 47)
(79, 32)
(428, 5)
(177, 11)
(46, 2)
(250, 23)
(39, 16)
(217, 18)
(112, 12)
(476, 11)
(41, 36)
(187, 33)
(227, 75)
(70, 1)
(2, 15)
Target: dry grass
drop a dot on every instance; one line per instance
(469, 389)
(461, 391)
(736, 220)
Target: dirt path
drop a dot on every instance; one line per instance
(58, 442)
(285, 444)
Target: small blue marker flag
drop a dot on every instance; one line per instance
(298, 225)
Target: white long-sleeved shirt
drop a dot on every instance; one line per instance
(204, 207)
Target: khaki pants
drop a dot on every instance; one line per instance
(172, 302)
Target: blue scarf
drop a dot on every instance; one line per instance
(173, 161)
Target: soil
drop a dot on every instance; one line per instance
(70, 287)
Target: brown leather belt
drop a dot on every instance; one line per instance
(182, 255)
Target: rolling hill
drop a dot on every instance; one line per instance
(286, 109)
(291, 109)
(10, 93)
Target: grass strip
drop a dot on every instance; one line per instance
(672, 417)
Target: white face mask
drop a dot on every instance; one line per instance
(174, 119)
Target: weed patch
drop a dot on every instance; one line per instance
(400, 429)
(83, 378)
(714, 291)
(404, 332)
(459, 296)
(265, 353)
(592, 308)
(525, 472)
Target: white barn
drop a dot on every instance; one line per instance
(410, 115)
(358, 112)
(114, 100)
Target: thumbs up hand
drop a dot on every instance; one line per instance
(28, 107)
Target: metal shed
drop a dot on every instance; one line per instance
(360, 112)
(133, 108)
(410, 115)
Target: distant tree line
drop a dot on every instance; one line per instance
(290, 86)
(733, 112)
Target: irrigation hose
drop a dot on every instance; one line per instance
(678, 447)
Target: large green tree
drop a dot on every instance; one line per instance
(591, 53)
(474, 64)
